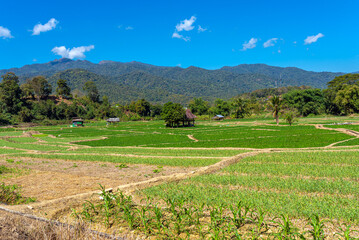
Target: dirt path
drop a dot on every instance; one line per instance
(63, 204)
(192, 138)
(342, 130)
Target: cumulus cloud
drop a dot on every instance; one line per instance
(5, 33)
(75, 52)
(39, 28)
(313, 39)
(129, 28)
(270, 42)
(249, 45)
(186, 25)
(177, 35)
(200, 29)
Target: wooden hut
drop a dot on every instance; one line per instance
(113, 120)
(77, 122)
(189, 118)
(218, 117)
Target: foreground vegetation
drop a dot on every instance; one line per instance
(182, 218)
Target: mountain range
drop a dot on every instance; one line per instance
(125, 82)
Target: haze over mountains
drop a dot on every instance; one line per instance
(124, 82)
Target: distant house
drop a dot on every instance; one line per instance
(189, 118)
(113, 120)
(77, 122)
(218, 117)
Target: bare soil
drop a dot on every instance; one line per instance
(49, 179)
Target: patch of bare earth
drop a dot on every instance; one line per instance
(17, 227)
(49, 179)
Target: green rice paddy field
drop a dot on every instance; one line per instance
(299, 170)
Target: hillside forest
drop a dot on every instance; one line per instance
(33, 101)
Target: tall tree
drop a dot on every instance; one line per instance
(275, 103)
(172, 113)
(308, 101)
(198, 106)
(27, 89)
(241, 107)
(221, 107)
(348, 99)
(63, 89)
(92, 92)
(10, 93)
(42, 88)
(143, 108)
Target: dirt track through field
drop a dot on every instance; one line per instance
(343, 130)
(63, 204)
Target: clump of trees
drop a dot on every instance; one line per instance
(172, 113)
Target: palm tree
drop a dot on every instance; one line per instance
(276, 104)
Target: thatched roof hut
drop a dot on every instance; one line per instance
(77, 122)
(218, 117)
(189, 118)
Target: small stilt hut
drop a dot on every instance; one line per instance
(189, 118)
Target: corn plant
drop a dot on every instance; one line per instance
(346, 233)
(144, 219)
(129, 216)
(287, 230)
(107, 204)
(239, 216)
(158, 216)
(318, 226)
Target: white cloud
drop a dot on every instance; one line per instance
(75, 52)
(186, 24)
(270, 42)
(129, 28)
(39, 28)
(177, 35)
(5, 33)
(249, 45)
(313, 39)
(200, 29)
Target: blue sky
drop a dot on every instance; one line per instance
(208, 34)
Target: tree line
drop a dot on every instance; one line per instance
(33, 102)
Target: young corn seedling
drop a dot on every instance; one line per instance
(239, 216)
(158, 215)
(258, 219)
(347, 232)
(286, 229)
(107, 204)
(318, 226)
(216, 214)
(129, 216)
(144, 219)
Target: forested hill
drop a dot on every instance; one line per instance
(289, 76)
(124, 82)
